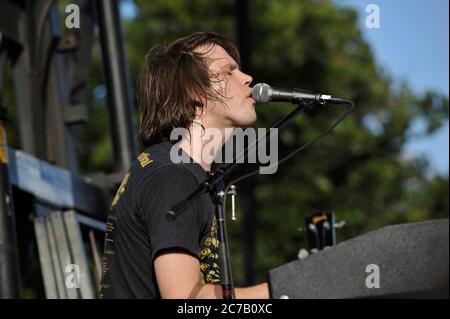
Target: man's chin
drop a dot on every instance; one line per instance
(248, 122)
(244, 119)
(254, 118)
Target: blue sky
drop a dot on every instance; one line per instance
(411, 44)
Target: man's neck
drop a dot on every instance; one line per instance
(202, 145)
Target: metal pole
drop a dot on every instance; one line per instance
(10, 281)
(226, 275)
(118, 84)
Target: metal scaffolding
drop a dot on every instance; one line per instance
(51, 97)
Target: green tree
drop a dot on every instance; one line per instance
(358, 170)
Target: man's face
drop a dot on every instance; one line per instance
(238, 107)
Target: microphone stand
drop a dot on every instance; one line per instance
(215, 186)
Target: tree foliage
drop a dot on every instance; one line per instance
(359, 170)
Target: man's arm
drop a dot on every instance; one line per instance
(178, 277)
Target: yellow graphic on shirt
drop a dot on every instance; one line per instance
(144, 159)
(108, 250)
(209, 257)
(3, 146)
(120, 190)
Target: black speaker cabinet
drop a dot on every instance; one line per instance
(400, 261)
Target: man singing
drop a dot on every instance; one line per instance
(195, 84)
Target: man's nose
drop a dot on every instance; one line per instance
(247, 79)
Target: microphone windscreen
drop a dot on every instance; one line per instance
(261, 92)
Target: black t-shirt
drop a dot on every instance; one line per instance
(137, 228)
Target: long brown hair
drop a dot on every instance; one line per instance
(172, 83)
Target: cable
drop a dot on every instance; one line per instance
(328, 130)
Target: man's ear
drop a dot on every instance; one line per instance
(200, 111)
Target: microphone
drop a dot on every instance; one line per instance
(263, 93)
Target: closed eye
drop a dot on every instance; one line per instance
(229, 68)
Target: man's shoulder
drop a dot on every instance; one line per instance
(157, 160)
(155, 169)
(152, 160)
(154, 156)
(170, 172)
